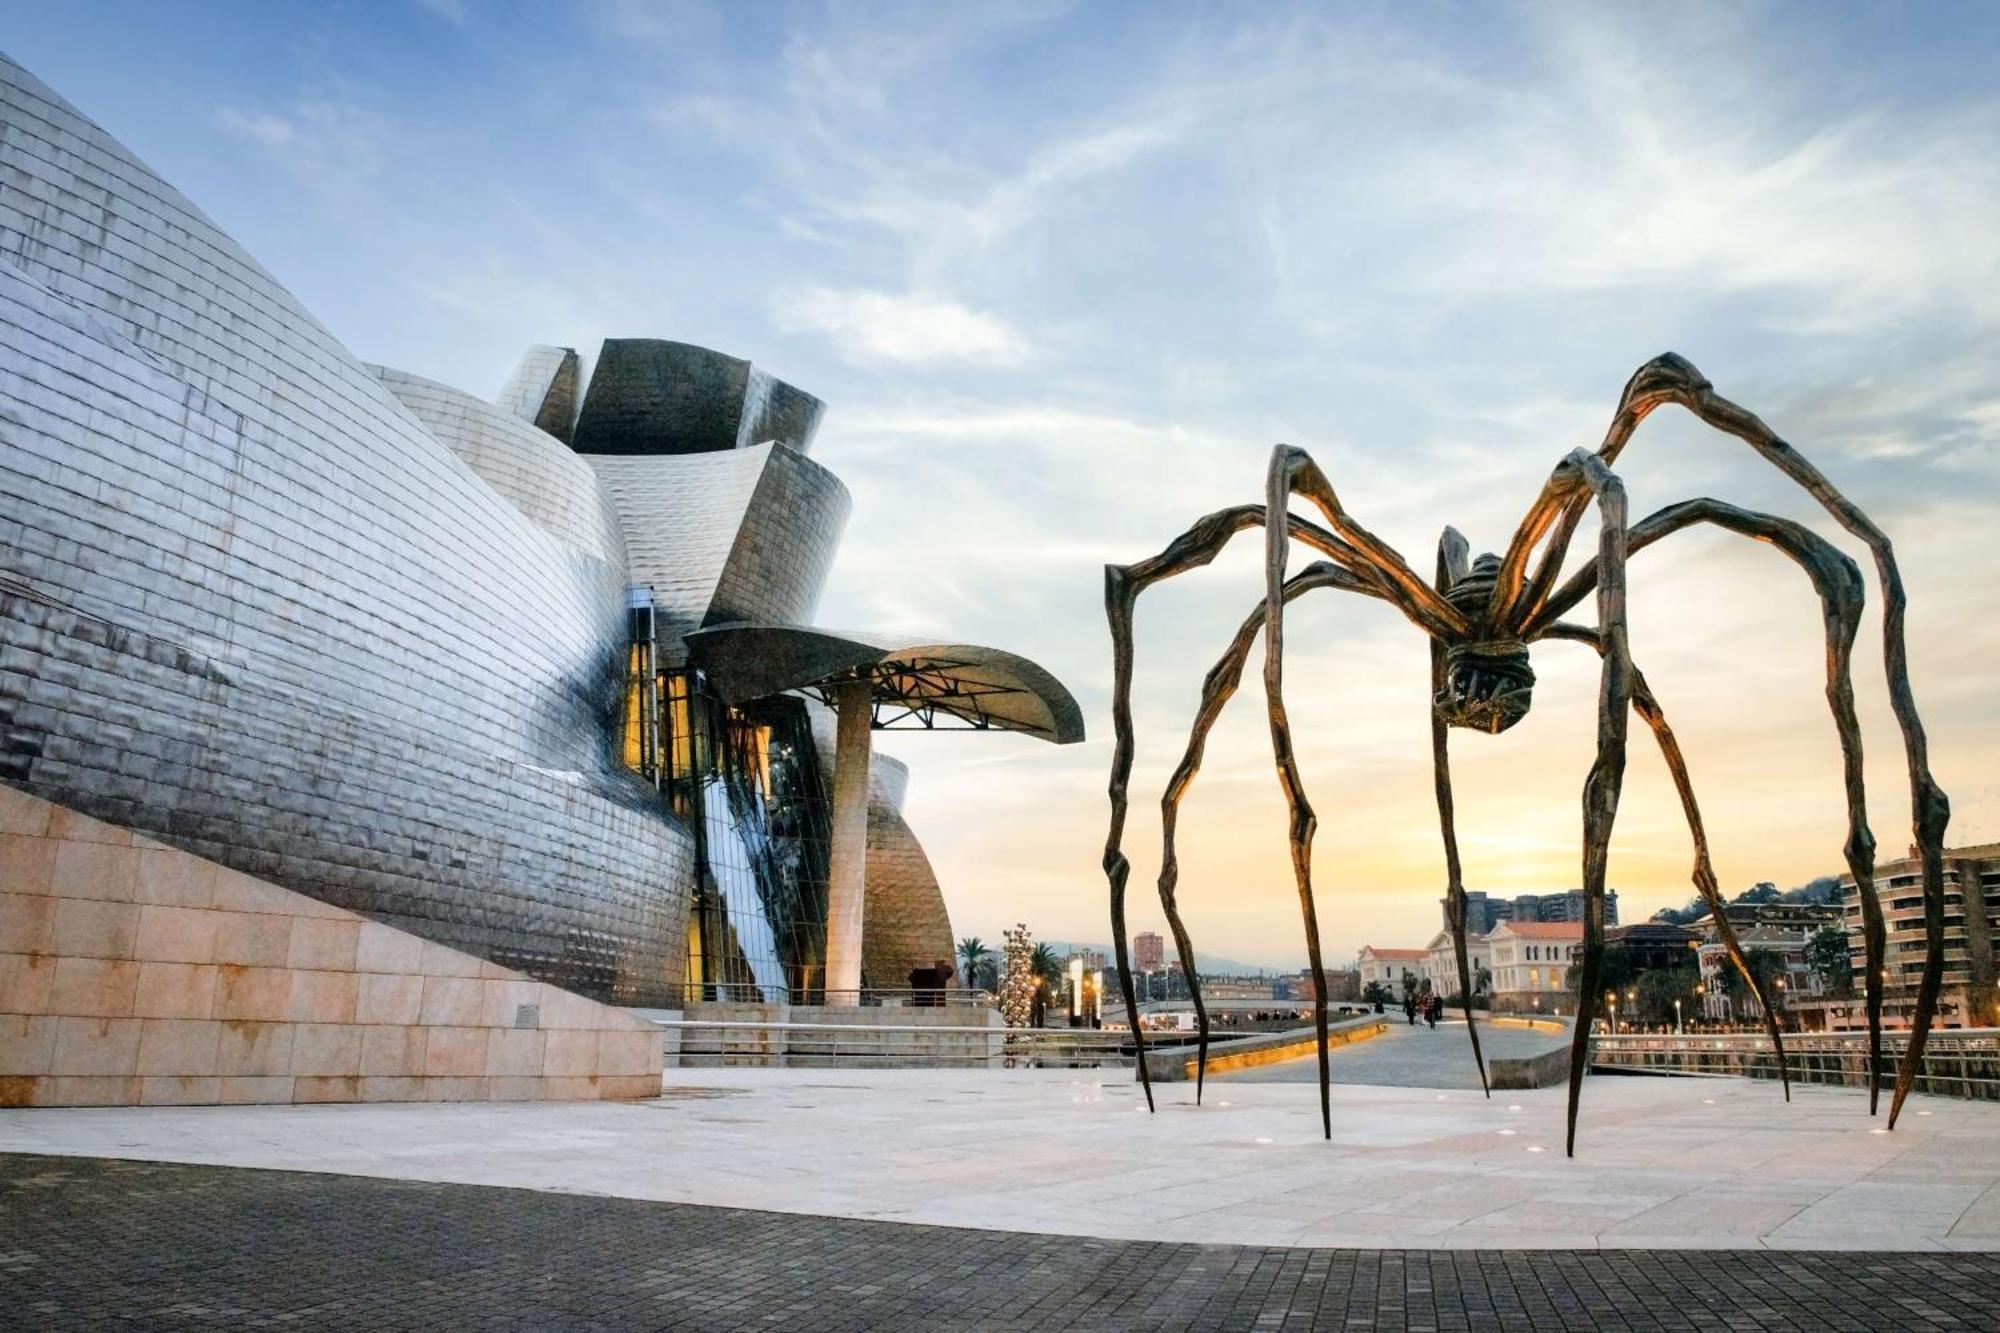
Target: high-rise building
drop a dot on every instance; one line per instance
(1148, 951)
(1483, 912)
(1971, 930)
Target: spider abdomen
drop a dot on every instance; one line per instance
(1488, 686)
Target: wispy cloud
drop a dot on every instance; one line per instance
(906, 327)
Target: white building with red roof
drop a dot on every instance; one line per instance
(1530, 963)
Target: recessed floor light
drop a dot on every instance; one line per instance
(1923, 1113)
(1266, 1140)
(1222, 1103)
(1514, 1108)
(1536, 1147)
(1508, 1131)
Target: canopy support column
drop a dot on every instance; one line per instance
(847, 870)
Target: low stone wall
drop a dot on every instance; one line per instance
(133, 973)
(1178, 1064)
(817, 1036)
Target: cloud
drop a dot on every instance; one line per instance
(906, 328)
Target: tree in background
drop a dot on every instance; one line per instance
(1048, 968)
(1826, 954)
(1615, 976)
(1376, 993)
(1656, 990)
(1769, 969)
(977, 963)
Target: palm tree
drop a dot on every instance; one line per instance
(972, 951)
(1044, 964)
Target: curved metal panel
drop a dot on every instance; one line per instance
(652, 396)
(542, 391)
(908, 927)
(719, 536)
(251, 606)
(529, 467)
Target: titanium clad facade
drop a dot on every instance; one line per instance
(734, 534)
(530, 468)
(250, 605)
(414, 654)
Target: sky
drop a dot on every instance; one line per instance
(1066, 273)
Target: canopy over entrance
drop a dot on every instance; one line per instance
(912, 683)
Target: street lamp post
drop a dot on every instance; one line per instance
(1680, 1029)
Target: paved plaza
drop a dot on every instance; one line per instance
(93, 1244)
(1681, 1163)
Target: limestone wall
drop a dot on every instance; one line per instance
(135, 973)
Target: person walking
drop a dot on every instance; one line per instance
(1434, 1010)
(1410, 1010)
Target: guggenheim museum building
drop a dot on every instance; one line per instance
(534, 677)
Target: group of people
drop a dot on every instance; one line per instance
(1430, 1005)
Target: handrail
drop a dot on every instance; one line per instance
(745, 992)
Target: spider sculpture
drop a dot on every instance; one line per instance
(1481, 618)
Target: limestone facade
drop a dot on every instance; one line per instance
(133, 973)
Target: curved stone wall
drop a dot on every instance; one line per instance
(251, 606)
(532, 469)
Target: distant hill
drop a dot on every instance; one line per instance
(1206, 964)
(1825, 889)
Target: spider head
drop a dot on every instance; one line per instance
(1487, 686)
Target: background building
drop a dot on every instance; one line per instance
(1387, 966)
(1531, 962)
(1971, 927)
(1441, 963)
(1148, 951)
(1483, 912)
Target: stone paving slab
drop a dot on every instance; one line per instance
(98, 1244)
(1675, 1163)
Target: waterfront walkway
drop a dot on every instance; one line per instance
(93, 1244)
(1679, 1163)
(1408, 1056)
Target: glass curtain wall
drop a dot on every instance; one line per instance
(748, 781)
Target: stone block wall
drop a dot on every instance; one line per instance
(135, 973)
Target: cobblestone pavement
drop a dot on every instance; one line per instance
(88, 1243)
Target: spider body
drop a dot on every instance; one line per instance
(1489, 683)
(1481, 618)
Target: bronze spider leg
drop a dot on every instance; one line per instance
(1217, 689)
(1601, 789)
(1648, 708)
(1838, 582)
(1293, 470)
(1192, 549)
(1451, 567)
(1670, 378)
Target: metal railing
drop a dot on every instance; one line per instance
(1962, 1062)
(698, 1042)
(867, 997)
